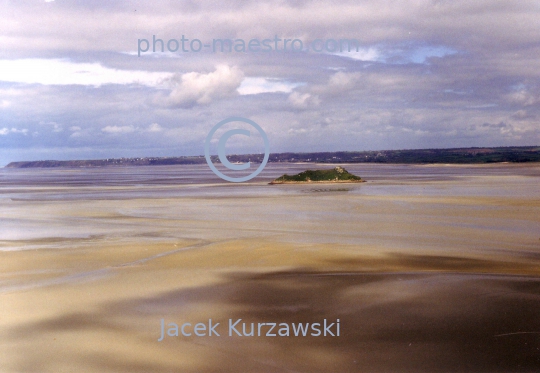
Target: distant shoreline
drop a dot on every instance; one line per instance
(522, 154)
(318, 182)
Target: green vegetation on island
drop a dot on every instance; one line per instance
(335, 175)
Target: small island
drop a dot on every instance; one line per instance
(336, 175)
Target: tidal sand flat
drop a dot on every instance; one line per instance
(427, 269)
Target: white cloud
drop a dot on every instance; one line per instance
(4, 131)
(343, 81)
(253, 86)
(196, 88)
(523, 97)
(118, 129)
(303, 100)
(55, 126)
(154, 127)
(338, 84)
(76, 131)
(65, 72)
(299, 131)
(363, 54)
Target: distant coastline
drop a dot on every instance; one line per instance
(519, 154)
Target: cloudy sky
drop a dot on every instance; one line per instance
(427, 73)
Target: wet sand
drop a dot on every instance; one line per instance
(434, 270)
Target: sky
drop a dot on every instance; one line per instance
(79, 81)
